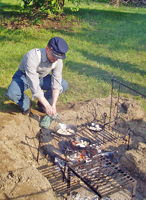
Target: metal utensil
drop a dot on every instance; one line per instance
(58, 119)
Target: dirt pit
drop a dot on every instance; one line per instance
(19, 174)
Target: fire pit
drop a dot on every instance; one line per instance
(87, 162)
(100, 173)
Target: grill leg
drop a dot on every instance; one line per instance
(133, 192)
(64, 171)
(68, 182)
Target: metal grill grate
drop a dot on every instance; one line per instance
(107, 135)
(102, 176)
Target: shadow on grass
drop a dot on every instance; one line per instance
(123, 66)
(128, 29)
(90, 71)
(8, 10)
(13, 13)
(126, 23)
(8, 6)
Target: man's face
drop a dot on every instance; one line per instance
(50, 57)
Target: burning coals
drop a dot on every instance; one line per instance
(77, 156)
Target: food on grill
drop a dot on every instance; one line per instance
(65, 131)
(81, 143)
(95, 127)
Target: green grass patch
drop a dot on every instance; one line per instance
(104, 41)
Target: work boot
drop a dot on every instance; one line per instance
(41, 107)
(28, 111)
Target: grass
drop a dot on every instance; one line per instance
(105, 41)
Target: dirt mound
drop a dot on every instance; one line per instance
(19, 176)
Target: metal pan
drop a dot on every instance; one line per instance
(59, 127)
(76, 145)
(97, 127)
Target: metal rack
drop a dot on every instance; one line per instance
(108, 134)
(102, 177)
(119, 88)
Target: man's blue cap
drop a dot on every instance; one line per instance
(59, 47)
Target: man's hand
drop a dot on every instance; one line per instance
(50, 109)
(47, 107)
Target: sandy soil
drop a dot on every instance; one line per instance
(19, 174)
